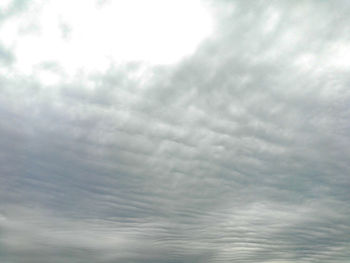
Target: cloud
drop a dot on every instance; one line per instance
(239, 152)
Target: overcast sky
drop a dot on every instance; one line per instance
(174, 131)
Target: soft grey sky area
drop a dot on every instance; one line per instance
(174, 131)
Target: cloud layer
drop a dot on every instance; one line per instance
(238, 153)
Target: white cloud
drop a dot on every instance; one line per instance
(5, 4)
(237, 153)
(85, 35)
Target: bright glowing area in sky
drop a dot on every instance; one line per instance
(89, 35)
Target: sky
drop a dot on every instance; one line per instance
(171, 131)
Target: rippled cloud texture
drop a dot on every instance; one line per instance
(238, 152)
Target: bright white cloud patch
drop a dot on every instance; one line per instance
(4, 4)
(90, 35)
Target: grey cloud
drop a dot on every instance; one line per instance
(6, 56)
(238, 153)
(14, 8)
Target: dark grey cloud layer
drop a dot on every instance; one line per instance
(239, 153)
